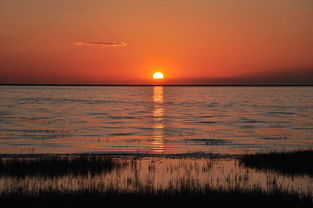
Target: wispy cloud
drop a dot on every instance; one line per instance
(101, 44)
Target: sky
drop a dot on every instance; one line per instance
(125, 41)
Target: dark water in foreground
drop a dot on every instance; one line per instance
(226, 120)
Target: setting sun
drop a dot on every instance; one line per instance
(158, 75)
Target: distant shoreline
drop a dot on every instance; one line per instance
(251, 157)
(123, 155)
(151, 85)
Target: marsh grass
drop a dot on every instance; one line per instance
(53, 166)
(288, 163)
(183, 198)
(99, 180)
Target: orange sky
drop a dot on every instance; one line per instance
(110, 41)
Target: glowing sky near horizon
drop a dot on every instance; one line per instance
(107, 41)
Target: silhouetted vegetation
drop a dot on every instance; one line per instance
(184, 192)
(183, 198)
(51, 166)
(291, 163)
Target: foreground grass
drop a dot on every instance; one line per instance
(52, 166)
(290, 163)
(184, 198)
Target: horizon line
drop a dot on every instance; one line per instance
(166, 85)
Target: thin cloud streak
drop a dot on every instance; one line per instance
(101, 44)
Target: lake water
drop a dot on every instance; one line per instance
(154, 119)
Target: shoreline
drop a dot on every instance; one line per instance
(192, 155)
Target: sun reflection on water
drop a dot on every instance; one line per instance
(158, 117)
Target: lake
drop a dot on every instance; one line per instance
(154, 119)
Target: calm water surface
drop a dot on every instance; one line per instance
(225, 120)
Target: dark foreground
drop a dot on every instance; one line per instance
(288, 163)
(187, 196)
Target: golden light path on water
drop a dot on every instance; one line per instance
(158, 118)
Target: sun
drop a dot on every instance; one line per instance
(158, 75)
